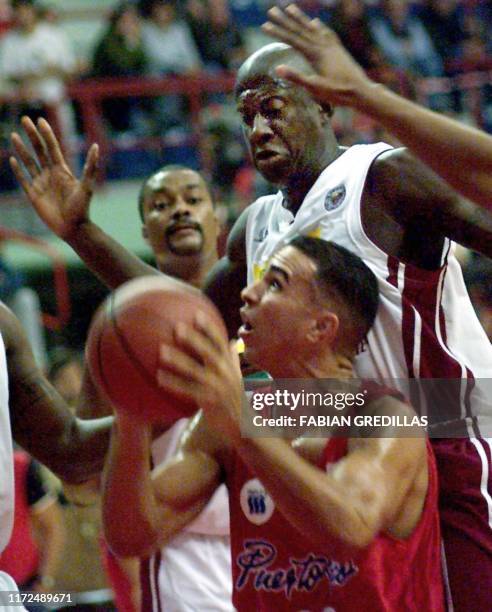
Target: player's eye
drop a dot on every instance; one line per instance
(274, 284)
(161, 205)
(248, 118)
(273, 108)
(195, 200)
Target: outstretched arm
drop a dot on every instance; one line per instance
(461, 155)
(143, 510)
(42, 423)
(62, 201)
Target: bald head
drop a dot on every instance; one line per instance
(260, 67)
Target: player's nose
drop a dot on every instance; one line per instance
(261, 131)
(250, 294)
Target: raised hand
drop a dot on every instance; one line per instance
(60, 199)
(339, 79)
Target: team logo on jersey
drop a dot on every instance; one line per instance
(335, 197)
(256, 503)
(304, 575)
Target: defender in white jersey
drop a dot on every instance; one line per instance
(193, 571)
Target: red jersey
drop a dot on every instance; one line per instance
(275, 569)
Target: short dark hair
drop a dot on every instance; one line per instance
(344, 276)
(168, 168)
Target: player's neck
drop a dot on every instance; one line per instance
(332, 365)
(301, 182)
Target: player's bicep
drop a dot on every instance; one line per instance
(377, 476)
(416, 197)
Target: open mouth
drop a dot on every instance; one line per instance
(245, 329)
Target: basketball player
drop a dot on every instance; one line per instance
(38, 419)
(321, 537)
(179, 223)
(391, 209)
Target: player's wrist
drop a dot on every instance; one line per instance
(80, 231)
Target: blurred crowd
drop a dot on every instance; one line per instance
(161, 38)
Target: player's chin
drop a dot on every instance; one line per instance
(275, 170)
(192, 245)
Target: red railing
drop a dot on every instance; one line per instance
(91, 93)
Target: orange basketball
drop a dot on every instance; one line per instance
(124, 339)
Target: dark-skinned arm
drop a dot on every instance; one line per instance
(228, 277)
(416, 197)
(42, 423)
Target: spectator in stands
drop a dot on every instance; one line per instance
(34, 552)
(217, 37)
(403, 40)
(37, 59)
(171, 50)
(349, 20)
(478, 277)
(443, 20)
(120, 53)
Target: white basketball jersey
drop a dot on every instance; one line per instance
(193, 571)
(6, 456)
(426, 325)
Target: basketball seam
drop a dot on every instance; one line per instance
(126, 346)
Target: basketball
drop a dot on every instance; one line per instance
(125, 335)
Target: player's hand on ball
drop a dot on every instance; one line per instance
(339, 78)
(204, 367)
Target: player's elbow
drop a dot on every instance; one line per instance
(359, 529)
(129, 542)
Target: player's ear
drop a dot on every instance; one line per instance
(145, 234)
(325, 328)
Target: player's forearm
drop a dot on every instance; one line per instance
(109, 260)
(310, 499)
(130, 514)
(460, 154)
